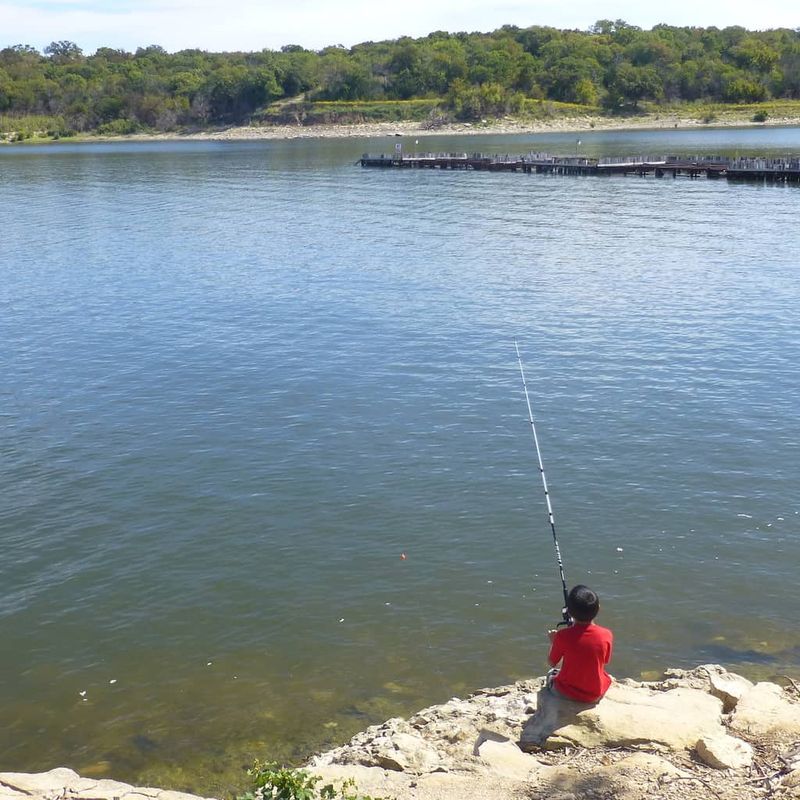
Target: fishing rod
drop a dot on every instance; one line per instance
(564, 613)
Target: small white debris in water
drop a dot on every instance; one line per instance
(83, 693)
(619, 549)
(84, 699)
(209, 663)
(113, 681)
(387, 604)
(769, 524)
(745, 516)
(616, 572)
(342, 619)
(477, 605)
(489, 581)
(780, 519)
(235, 677)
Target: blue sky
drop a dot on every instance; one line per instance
(256, 24)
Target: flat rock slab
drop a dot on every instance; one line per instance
(728, 687)
(767, 709)
(507, 760)
(62, 781)
(724, 752)
(626, 716)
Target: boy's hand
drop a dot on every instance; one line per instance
(551, 635)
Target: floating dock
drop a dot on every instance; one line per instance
(770, 170)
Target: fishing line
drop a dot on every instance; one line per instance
(564, 614)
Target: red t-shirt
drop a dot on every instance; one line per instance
(585, 650)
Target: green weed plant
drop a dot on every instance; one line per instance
(274, 782)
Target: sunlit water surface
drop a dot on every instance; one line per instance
(241, 381)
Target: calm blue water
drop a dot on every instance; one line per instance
(240, 380)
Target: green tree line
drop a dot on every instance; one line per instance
(612, 65)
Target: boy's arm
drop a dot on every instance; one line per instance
(555, 654)
(609, 648)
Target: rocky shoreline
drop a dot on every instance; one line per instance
(500, 127)
(508, 126)
(693, 735)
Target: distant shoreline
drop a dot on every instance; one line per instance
(495, 127)
(500, 127)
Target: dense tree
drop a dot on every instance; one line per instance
(6, 89)
(629, 84)
(345, 78)
(63, 52)
(754, 54)
(790, 71)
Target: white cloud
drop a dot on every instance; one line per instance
(253, 25)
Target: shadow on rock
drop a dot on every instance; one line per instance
(552, 713)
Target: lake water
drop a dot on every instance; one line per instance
(240, 381)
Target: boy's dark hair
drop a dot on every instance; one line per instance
(582, 603)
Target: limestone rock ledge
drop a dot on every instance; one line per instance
(701, 733)
(62, 783)
(696, 734)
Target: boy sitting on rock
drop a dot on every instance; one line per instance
(583, 649)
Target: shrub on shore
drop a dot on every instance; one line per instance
(273, 782)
